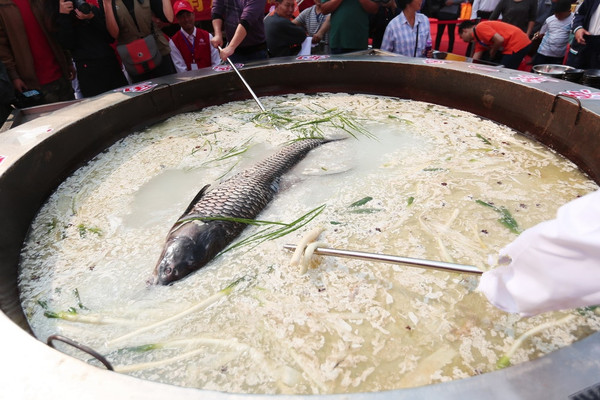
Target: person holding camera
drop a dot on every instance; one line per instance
(81, 29)
(40, 70)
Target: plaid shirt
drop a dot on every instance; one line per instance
(399, 36)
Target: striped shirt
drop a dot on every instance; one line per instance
(400, 37)
(311, 21)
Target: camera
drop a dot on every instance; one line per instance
(82, 6)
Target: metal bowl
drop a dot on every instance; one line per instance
(555, 70)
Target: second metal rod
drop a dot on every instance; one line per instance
(430, 264)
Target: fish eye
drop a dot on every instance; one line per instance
(168, 270)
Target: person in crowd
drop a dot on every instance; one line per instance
(130, 20)
(82, 31)
(316, 25)
(243, 21)
(584, 51)
(555, 35)
(409, 33)
(449, 11)
(190, 46)
(545, 8)
(494, 37)
(284, 38)
(520, 13)
(7, 94)
(378, 22)
(482, 9)
(38, 67)
(349, 24)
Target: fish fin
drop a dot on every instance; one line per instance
(196, 199)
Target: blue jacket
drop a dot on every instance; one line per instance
(584, 14)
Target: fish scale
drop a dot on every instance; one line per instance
(191, 244)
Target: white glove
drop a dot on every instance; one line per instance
(554, 265)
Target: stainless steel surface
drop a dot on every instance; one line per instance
(387, 258)
(556, 70)
(39, 154)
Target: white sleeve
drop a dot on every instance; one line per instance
(474, 9)
(215, 57)
(554, 265)
(177, 57)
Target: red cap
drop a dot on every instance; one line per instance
(182, 5)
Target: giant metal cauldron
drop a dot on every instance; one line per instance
(36, 156)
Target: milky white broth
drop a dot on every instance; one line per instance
(346, 325)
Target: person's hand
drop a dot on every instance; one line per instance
(72, 72)
(316, 39)
(217, 40)
(579, 35)
(226, 53)
(65, 6)
(19, 85)
(83, 16)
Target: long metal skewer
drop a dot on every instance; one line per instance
(246, 84)
(429, 264)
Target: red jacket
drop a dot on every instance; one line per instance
(201, 54)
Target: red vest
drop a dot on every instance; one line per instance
(201, 48)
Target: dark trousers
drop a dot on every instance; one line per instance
(542, 59)
(585, 56)
(514, 60)
(440, 34)
(58, 90)
(99, 75)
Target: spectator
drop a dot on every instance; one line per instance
(33, 59)
(555, 35)
(496, 36)
(83, 32)
(482, 9)
(316, 25)
(7, 94)
(409, 33)
(545, 8)
(130, 20)
(190, 46)
(284, 38)
(244, 29)
(349, 24)
(378, 22)
(520, 13)
(449, 11)
(585, 47)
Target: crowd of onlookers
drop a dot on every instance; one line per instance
(55, 50)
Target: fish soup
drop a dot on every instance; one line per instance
(411, 179)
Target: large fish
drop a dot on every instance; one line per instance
(192, 243)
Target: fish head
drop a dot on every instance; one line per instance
(187, 249)
(176, 261)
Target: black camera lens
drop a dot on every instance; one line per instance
(82, 6)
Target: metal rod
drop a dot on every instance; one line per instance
(245, 83)
(429, 264)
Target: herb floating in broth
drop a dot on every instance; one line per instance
(505, 219)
